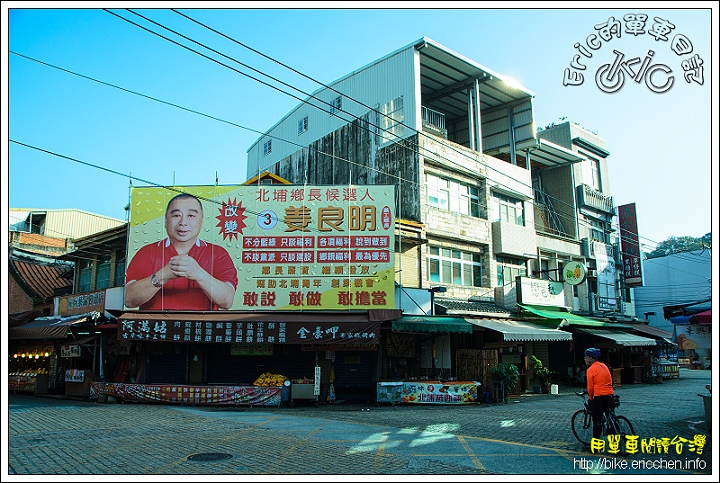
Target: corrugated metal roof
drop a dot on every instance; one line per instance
(462, 307)
(621, 338)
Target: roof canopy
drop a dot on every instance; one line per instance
(516, 331)
(431, 323)
(621, 338)
(563, 319)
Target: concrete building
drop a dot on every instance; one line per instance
(482, 197)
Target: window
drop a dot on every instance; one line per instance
(120, 269)
(452, 196)
(267, 147)
(597, 230)
(510, 210)
(591, 172)
(391, 120)
(103, 272)
(302, 125)
(508, 269)
(336, 105)
(456, 267)
(86, 267)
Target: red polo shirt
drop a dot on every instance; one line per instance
(181, 293)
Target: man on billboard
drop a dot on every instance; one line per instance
(181, 272)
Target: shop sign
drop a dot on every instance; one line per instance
(256, 332)
(74, 375)
(81, 303)
(182, 394)
(70, 351)
(574, 273)
(440, 392)
(534, 291)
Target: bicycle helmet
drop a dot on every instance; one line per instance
(592, 352)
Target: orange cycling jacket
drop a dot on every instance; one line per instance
(599, 380)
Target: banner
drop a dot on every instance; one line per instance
(292, 247)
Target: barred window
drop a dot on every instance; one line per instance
(267, 147)
(302, 125)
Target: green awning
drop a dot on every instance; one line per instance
(430, 323)
(559, 318)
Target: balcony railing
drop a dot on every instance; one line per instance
(434, 121)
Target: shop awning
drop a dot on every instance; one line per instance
(430, 323)
(49, 327)
(620, 338)
(563, 319)
(663, 337)
(704, 317)
(516, 331)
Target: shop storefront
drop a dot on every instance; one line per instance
(217, 357)
(56, 355)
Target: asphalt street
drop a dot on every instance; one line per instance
(529, 435)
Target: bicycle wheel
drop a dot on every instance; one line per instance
(582, 428)
(624, 428)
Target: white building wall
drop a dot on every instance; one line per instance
(382, 81)
(672, 280)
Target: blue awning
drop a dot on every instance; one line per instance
(430, 323)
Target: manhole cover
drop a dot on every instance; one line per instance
(209, 456)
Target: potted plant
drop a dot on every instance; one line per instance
(542, 374)
(508, 375)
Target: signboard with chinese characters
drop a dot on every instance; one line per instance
(81, 303)
(630, 245)
(535, 291)
(74, 375)
(70, 351)
(293, 247)
(255, 332)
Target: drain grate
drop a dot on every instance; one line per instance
(209, 456)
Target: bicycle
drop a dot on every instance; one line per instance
(582, 425)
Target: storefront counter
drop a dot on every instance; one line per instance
(184, 394)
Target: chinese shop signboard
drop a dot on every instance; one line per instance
(630, 245)
(294, 247)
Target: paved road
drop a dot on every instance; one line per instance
(529, 435)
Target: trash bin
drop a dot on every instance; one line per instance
(708, 409)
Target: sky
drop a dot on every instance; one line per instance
(93, 98)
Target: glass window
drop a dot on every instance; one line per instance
(391, 120)
(103, 272)
(454, 267)
(267, 147)
(302, 125)
(120, 270)
(508, 269)
(336, 105)
(452, 196)
(85, 276)
(510, 210)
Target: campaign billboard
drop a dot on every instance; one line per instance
(261, 248)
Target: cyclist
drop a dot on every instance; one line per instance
(599, 388)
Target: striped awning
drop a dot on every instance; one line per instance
(621, 338)
(517, 331)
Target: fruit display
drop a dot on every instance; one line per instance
(270, 379)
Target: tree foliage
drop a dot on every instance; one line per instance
(678, 244)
